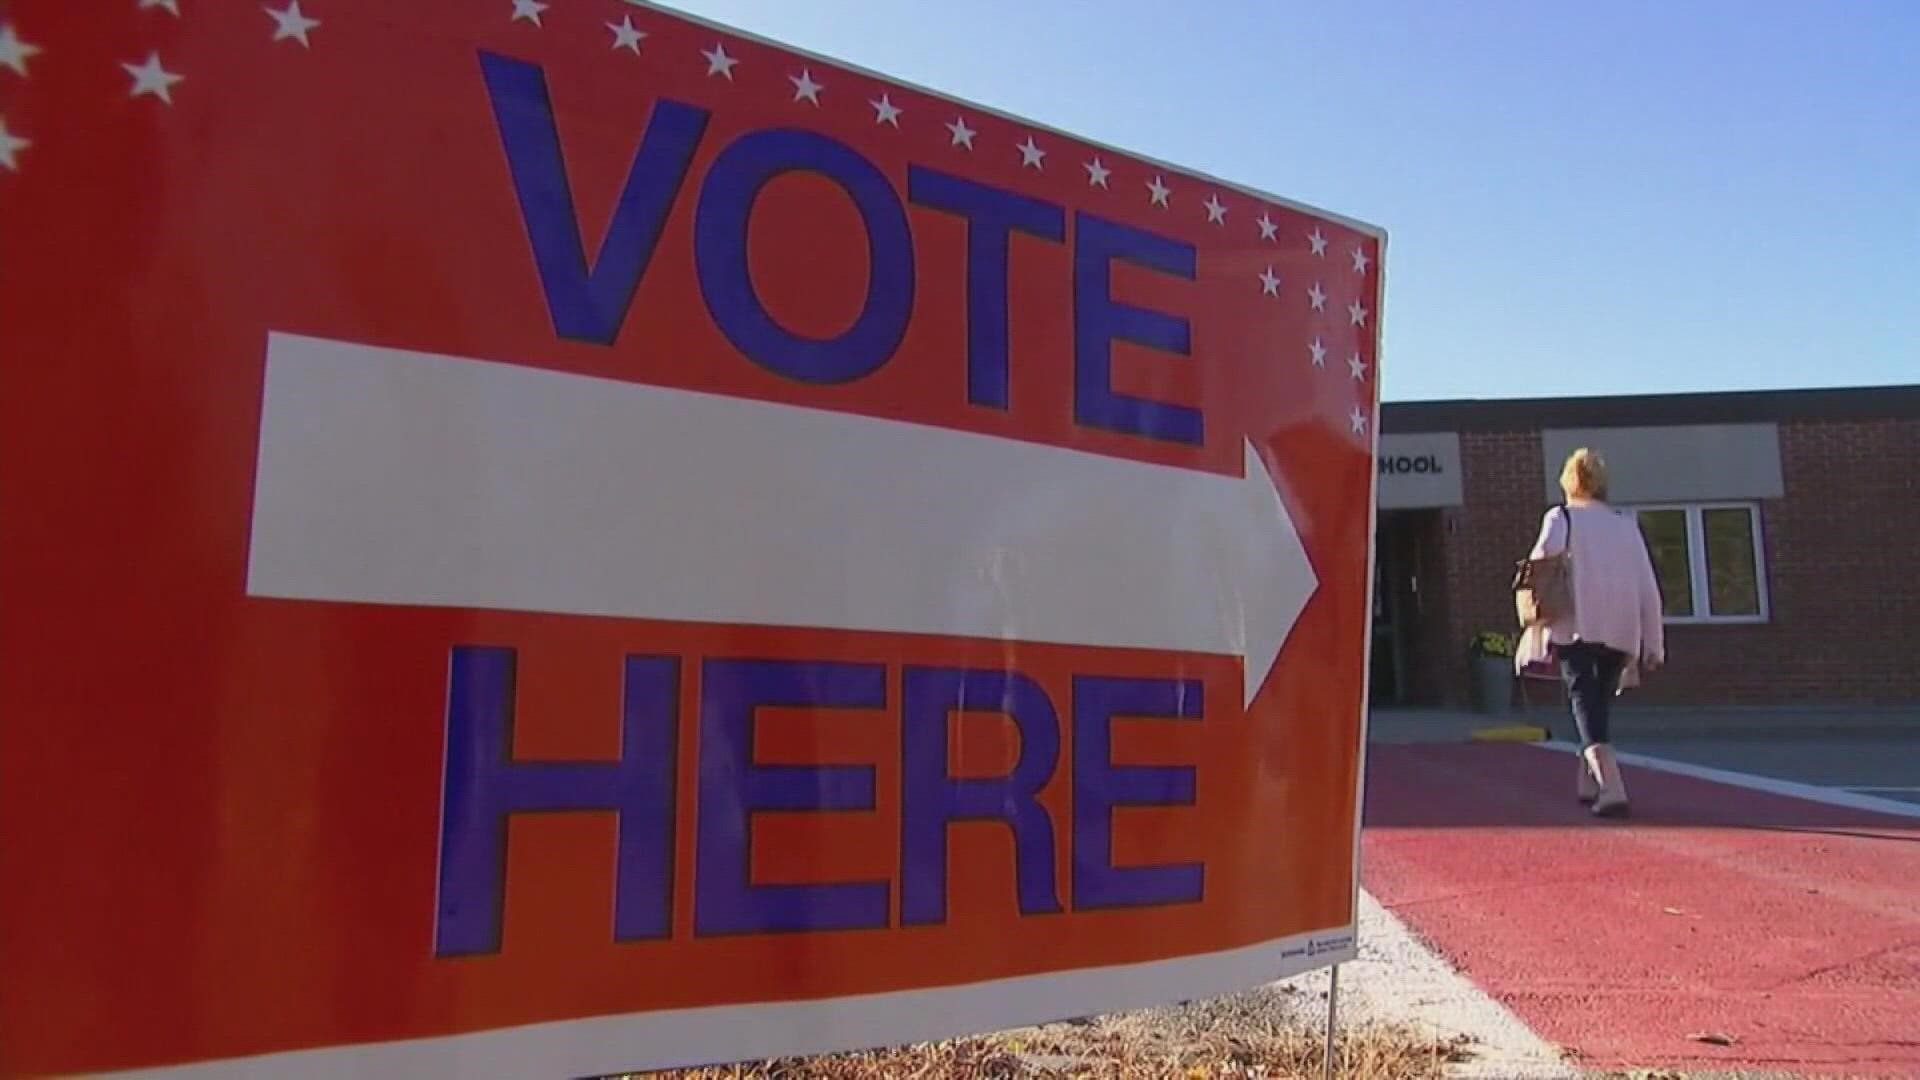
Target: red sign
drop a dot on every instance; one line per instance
(544, 539)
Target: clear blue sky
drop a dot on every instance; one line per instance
(1582, 198)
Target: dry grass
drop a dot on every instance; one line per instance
(1257, 1034)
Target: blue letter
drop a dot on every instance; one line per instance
(992, 216)
(720, 247)
(484, 786)
(1099, 320)
(1099, 786)
(587, 306)
(932, 798)
(733, 789)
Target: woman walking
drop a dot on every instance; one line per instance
(1614, 629)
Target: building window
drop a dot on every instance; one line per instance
(1709, 559)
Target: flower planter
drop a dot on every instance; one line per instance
(1493, 684)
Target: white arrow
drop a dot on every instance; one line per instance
(395, 477)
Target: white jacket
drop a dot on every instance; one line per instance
(1616, 596)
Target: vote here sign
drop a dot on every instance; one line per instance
(543, 539)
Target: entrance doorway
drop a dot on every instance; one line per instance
(1409, 619)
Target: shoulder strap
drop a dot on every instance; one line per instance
(1566, 512)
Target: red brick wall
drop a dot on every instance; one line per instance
(1483, 537)
(1843, 572)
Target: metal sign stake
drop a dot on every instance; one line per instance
(1333, 1007)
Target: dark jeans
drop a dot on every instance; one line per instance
(1592, 675)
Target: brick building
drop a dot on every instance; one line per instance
(1785, 526)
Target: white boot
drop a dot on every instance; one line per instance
(1612, 800)
(1588, 785)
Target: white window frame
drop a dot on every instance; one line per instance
(1698, 578)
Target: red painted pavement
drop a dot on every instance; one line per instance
(1792, 926)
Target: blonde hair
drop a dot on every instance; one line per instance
(1584, 476)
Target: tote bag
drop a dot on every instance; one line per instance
(1543, 588)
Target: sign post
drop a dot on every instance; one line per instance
(1329, 1070)
(545, 546)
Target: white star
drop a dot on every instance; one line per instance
(1357, 366)
(172, 6)
(885, 111)
(1031, 154)
(1360, 261)
(1159, 192)
(529, 10)
(719, 63)
(1216, 210)
(1267, 228)
(293, 23)
(962, 134)
(151, 78)
(1097, 173)
(1319, 243)
(1358, 313)
(1270, 282)
(1359, 421)
(626, 35)
(1317, 297)
(1319, 352)
(10, 147)
(804, 88)
(15, 53)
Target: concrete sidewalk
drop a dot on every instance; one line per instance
(1661, 723)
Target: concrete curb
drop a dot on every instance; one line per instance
(1398, 979)
(1443, 725)
(1522, 733)
(1771, 785)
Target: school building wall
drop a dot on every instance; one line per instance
(1839, 521)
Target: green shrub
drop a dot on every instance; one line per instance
(1490, 643)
